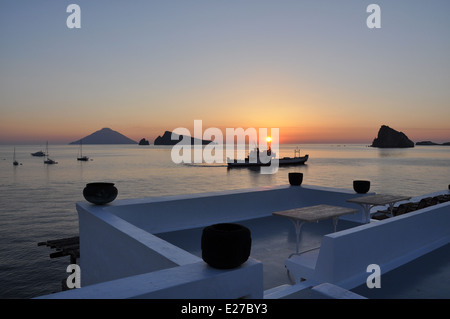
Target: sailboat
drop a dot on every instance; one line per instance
(49, 160)
(81, 157)
(15, 163)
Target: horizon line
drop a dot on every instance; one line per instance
(29, 143)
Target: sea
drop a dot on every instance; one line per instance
(37, 201)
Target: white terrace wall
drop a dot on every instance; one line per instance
(157, 215)
(117, 240)
(111, 248)
(191, 281)
(345, 255)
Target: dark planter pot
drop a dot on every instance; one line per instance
(295, 179)
(100, 193)
(361, 187)
(226, 245)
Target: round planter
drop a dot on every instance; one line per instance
(100, 193)
(295, 179)
(361, 186)
(226, 245)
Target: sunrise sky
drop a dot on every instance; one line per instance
(311, 68)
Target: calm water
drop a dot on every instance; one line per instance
(38, 200)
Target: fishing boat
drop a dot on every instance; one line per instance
(49, 160)
(81, 157)
(15, 162)
(264, 158)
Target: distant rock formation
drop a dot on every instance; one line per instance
(432, 143)
(390, 138)
(426, 143)
(166, 139)
(143, 141)
(105, 136)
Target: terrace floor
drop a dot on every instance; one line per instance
(273, 240)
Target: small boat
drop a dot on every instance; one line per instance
(15, 163)
(81, 157)
(254, 159)
(293, 160)
(49, 160)
(38, 153)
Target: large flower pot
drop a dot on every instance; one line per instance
(226, 245)
(100, 193)
(361, 186)
(295, 179)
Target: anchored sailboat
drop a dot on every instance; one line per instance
(49, 160)
(15, 163)
(81, 157)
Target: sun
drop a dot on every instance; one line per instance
(268, 139)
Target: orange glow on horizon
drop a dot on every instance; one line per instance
(66, 132)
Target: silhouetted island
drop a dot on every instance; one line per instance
(105, 136)
(143, 141)
(432, 143)
(390, 138)
(166, 139)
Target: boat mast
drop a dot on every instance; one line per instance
(14, 160)
(48, 160)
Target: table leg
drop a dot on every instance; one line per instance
(366, 208)
(335, 221)
(391, 209)
(298, 229)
